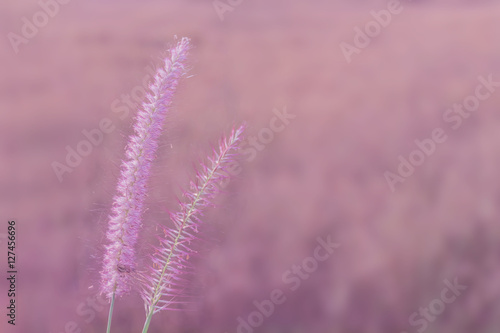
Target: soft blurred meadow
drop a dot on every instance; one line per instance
(322, 174)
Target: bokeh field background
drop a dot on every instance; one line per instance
(322, 175)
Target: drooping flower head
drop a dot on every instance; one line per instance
(125, 219)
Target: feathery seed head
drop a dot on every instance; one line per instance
(125, 219)
(165, 284)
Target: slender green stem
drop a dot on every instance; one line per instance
(111, 313)
(148, 320)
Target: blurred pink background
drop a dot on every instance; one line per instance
(323, 174)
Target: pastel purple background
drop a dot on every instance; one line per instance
(322, 175)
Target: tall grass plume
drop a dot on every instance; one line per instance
(164, 286)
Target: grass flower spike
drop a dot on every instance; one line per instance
(125, 220)
(165, 283)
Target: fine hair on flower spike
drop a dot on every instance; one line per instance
(165, 283)
(125, 219)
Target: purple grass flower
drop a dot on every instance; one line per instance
(163, 286)
(125, 219)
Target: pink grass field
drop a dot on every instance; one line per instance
(323, 174)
